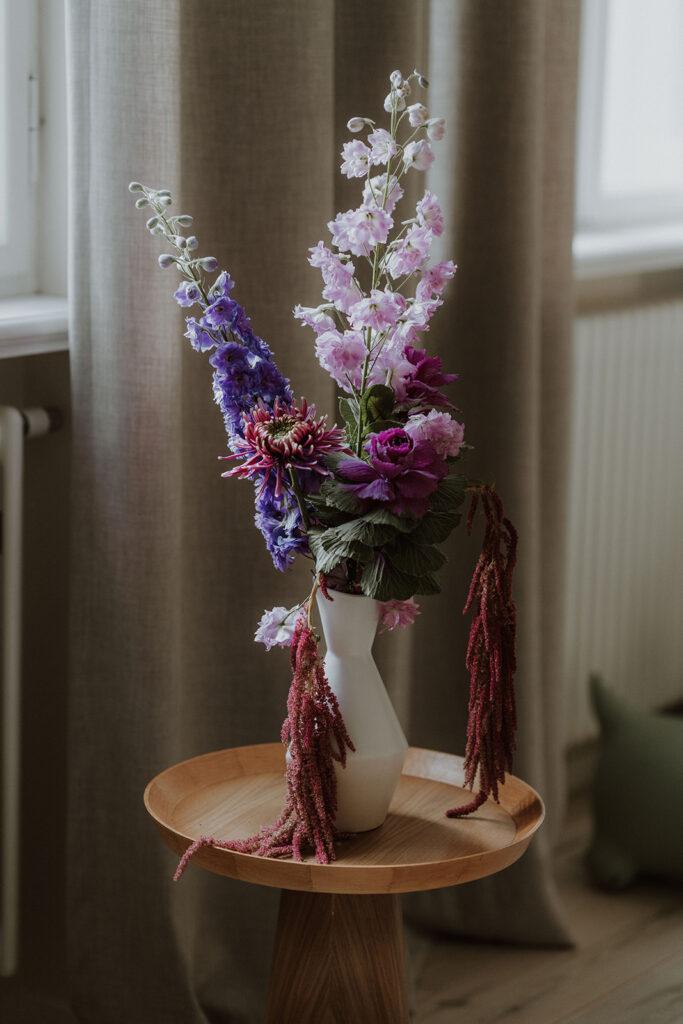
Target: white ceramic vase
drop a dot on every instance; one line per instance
(365, 787)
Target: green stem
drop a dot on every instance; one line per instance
(299, 499)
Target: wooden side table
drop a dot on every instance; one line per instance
(339, 954)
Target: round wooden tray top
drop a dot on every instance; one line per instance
(231, 794)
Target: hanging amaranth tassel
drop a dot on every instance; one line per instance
(315, 732)
(490, 660)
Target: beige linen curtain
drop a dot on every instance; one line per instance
(239, 108)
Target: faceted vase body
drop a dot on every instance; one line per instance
(365, 787)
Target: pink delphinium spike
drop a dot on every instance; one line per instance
(491, 659)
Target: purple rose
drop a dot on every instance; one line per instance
(401, 473)
(422, 386)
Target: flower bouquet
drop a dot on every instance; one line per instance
(368, 504)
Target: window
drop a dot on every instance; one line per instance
(18, 145)
(630, 138)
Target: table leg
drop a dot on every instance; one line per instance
(338, 959)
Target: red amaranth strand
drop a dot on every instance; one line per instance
(315, 733)
(490, 659)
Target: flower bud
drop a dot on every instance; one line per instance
(180, 241)
(162, 192)
(421, 80)
(166, 260)
(158, 229)
(417, 114)
(396, 79)
(209, 263)
(141, 202)
(152, 222)
(404, 88)
(164, 200)
(436, 128)
(135, 186)
(191, 243)
(184, 220)
(394, 101)
(356, 124)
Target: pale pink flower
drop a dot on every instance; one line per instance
(276, 627)
(342, 355)
(379, 310)
(314, 317)
(444, 434)
(416, 319)
(410, 253)
(389, 365)
(436, 128)
(429, 213)
(418, 154)
(398, 614)
(417, 114)
(434, 280)
(373, 192)
(395, 100)
(356, 159)
(359, 231)
(383, 146)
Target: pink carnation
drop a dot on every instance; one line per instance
(356, 159)
(398, 614)
(445, 435)
(429, 213)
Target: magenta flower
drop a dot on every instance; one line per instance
(422, 386)
(399, 472)
(283, 438)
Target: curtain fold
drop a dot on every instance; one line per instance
(239, 109)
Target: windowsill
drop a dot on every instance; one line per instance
(632, 250)
(33, 325)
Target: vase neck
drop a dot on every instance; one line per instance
(349, 623)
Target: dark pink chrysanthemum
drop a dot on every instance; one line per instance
(283, 438)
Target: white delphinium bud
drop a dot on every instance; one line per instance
(436, 128)
(135, 186)
(404, 88)
(163, 192)
(183, 219)
(209, 263)
(421, 80)
(396, 79)
(191, 243)
(152, 223)
(166, 260)
(394, 101)
(417, 114)
(141, 203)
(158, 229)
(356, 124)
(163, 200)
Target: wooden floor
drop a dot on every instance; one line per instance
(627, 967)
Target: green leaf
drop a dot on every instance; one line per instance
(358, 530)
(384, 517)
(331, 493)
(348, 408)
(449, 495)
(377, 404)
(381, 580)
(435, 527)
(415, 559)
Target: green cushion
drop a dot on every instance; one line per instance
(638, 793)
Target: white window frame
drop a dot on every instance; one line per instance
(614, 235)
(19, 118)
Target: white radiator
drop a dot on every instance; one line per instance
(624, 597)
(14, 427)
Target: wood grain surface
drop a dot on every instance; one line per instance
(232, 793)
(338, 959)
